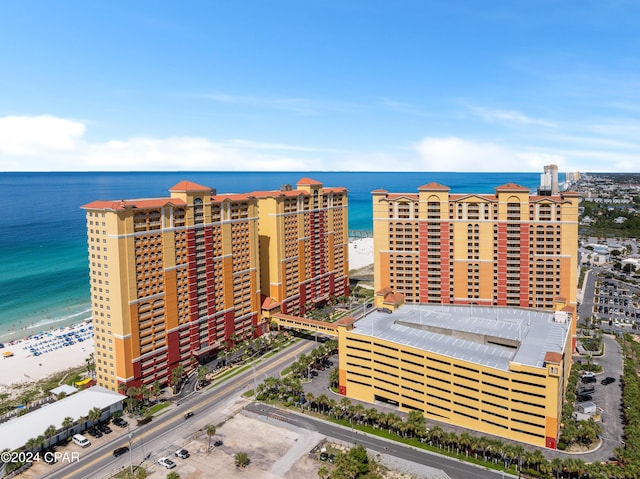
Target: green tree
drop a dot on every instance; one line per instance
(91, 365)
(242, 459)
(202, 373)
(323, 472)
(49, 432)
(176, 377)
(95, 414)
(67, 422)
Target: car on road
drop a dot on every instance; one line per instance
(166, 462)
(181, 453)
(120, 451)
(118, 421)
(608, 380)
(188, 414)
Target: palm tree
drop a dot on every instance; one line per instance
(31, 443)
(465, 441)
(91, 366)
(176, 376)
(95, 414)
(202, 373)
(67, 422)
(40, 442)
(49, 433)
(82, 420)
(155, 389)
(557, 466)
(209, 430)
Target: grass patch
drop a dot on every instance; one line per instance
(157, 407)
(248, 393)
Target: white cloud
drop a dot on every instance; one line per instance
(47, 143)
(457, 154)
(24, 135)
(509, 117)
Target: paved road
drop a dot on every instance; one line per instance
(453, 468)
(160, 436)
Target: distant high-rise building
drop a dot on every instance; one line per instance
(510, 248)
(176, 280)
(549, 185)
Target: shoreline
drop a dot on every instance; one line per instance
(14, 331)
(46, 353)
(36, 355)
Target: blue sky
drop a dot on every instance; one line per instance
(307, 85)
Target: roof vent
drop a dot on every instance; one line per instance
(560, 317)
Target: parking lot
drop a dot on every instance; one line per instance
(615, 306)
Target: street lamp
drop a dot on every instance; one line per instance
(130, 453)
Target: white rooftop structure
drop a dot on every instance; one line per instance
(65, 388)
(490, 336)
(16, 432)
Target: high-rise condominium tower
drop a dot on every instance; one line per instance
(176, 280)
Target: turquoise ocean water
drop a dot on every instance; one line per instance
(44, 276)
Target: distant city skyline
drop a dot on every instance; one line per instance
(333, 85)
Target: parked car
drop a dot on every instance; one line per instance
(104, 428)
(120, 451)
(608, 380)
(80, 440)
(118, 421)
(94, 432)
(182, 453)
(166, 462)
(583, 397)
(588, 379)
(584, 389)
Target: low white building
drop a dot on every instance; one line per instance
(15, 433)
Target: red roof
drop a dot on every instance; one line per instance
(232, 197)
(394, 298)
(185, 185)
(555, 358)
(512, 187)
(433, 186)
(121, 205)
(308, 181)
(270, 303)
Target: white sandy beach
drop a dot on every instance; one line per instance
(26, 367)
(360, 253)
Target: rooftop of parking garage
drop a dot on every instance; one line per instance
(489, 336)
